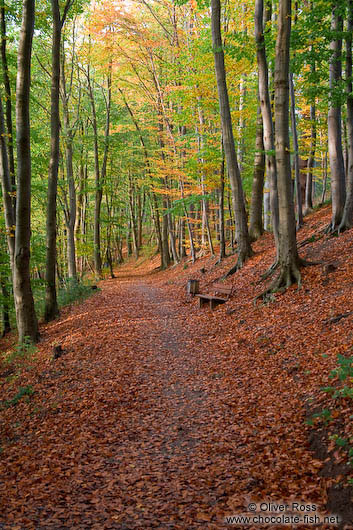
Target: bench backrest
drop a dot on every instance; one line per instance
(222, 289)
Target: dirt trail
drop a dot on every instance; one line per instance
(138, 426)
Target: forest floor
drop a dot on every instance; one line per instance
(163, 415)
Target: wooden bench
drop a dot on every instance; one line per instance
(221, 295)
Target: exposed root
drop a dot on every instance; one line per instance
(289, 275)
(305, 263)
(242, 258)
(343, 227)
(269, 271)
(312, 239)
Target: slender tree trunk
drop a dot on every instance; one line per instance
(289, 261)
(311, 161)
(324, 184)
(165, 240)
(300, 220)
(334, 122)
(266, 111)
(242, 236)
(51, 306)
(222, 239)
(256, 225)
(10, 214)
(205, 221)
(71, 218)
(98, 185)
(27, 323)
(347, 218)
(8, 99)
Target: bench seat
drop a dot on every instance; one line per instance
(221, 296)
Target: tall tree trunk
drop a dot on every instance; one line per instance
(266, 111)
(222, 239)
(289, 261)
(165, 240)
(334, 121)
(8, 99)
(51, 306)
(300, 220)
(10, 214)
(242, 236)
(98, 185)
(205, 221)
(256, 225)
(347, 218)
(311, 161)
(27, 323)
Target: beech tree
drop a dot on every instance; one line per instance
(51, 305)
(347, 217)
(288, 259)
(27, 323)
(334, 121)
(266, 111)
(242, 235)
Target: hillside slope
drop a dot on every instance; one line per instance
(163, 415)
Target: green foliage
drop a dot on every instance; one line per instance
(343, 372)
(74, 291)
(22, 351)
(178, 207)
(22, 391)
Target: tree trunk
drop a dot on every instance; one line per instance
(51, 306)
(242, 236)
(256, 225)
(10, 214)
(334, 122)
(8, 99)
(165, 240)
(98, 186)
(300, 220)
(289, 261)
(266, 111)
(27, 323)
(311, 161)
(347, 218)
(222, 239)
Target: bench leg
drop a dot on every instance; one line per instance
(201, 302)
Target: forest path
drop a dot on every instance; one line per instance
(144, 423)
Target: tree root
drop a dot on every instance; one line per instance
(289, 275)
(269, 271)
(242, 258)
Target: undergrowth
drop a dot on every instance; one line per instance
(69, 292)
(339, 393)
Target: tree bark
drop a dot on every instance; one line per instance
(242, 235)
(10, 214)
(98, 185)
(51, 305)
(222, 239)
(266, 111)
(27, 323)
(300, 220)
(347, 218)
(8, 99)
(289, 261)
(334, 122)
(256, 225)
(311, 161)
